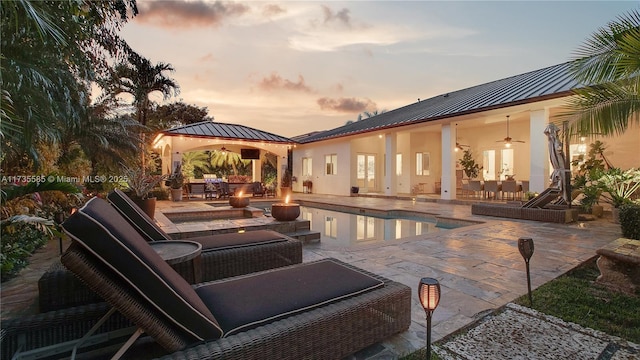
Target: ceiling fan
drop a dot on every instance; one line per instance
(508, 140)
(459, 147)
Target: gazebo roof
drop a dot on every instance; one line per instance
(210, 129)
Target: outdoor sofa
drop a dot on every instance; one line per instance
(320, 310)
(223, 255)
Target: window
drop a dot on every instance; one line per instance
(331, 164)
(507, 168)
(398, 164)
(422, 163)
(306, 167)
(489, 164)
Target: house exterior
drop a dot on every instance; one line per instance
(412, 149)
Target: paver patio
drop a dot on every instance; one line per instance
(479, 267)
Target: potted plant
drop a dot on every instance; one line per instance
(176, 183)
(140, 184)
(469, 165)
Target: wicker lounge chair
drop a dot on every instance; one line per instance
(223, 255)
(320, 310)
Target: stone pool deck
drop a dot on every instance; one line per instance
(479, 266)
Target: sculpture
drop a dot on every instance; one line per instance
(556, 155)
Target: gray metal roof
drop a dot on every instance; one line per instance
(551, 82)
(225, 131)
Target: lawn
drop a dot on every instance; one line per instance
(577, 298)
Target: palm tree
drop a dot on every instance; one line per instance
(221, 159)
(609, 64)
(193, 159)
(140, 78)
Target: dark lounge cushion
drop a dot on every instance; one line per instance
(243, 303)
(235, 240)
(136, 217)
(98, 228)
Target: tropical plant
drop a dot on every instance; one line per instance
(140, 78)
(222, 159)
(192, 160)
(469, 165)
(609, 64)
(140, 181)
(47, 65)
(620, 187)
(176, 179)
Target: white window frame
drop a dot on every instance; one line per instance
(331, 164)
(423, 163)
(307, 166)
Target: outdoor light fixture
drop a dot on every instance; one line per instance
(224, 150)
(429, 293)
(525, 245)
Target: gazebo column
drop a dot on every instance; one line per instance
(448, 163)
(256, 170)
(539, 178)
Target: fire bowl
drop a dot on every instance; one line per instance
(238, 201)
(285, 211)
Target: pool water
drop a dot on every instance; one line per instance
(345, 228)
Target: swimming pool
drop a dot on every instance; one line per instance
(346, 228)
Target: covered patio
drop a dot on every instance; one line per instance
(251, 144)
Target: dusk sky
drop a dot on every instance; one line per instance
(293, 67)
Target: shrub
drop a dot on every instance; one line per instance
(19, 241)
(630, 221)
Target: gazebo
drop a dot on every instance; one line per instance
(250, 143)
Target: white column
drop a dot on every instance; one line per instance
(448, 163)
(256, 169)
(390, 146)
(539, 178)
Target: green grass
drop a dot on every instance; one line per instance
(575, 297)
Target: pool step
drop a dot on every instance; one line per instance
(306, 236)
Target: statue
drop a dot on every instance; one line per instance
(556, 155)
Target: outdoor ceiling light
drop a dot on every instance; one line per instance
(429, 293)
(223, 150)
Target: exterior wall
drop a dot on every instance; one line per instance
(476, 131)
(338, 184)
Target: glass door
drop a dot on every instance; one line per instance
(366, 173)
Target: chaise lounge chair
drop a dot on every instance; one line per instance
(320, 310)
(223, 255)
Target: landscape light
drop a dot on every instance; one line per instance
(429, 293)
(525, 246)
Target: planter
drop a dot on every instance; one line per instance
(285, 211)
(238, 201)
(597, 210)
(148, 206)
(176, 194)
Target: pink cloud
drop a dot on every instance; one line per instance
(177, 14)
(347, 105)
(277, 82)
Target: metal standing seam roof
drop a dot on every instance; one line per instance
(550, 82)
(225, 131)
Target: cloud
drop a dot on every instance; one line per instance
(270, 10)
(178, 14)
(341, 17)
(276, 82)
(347, 105)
